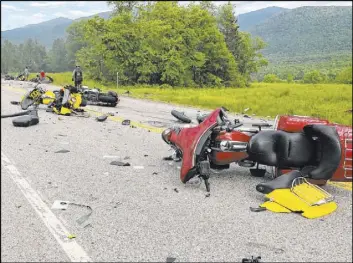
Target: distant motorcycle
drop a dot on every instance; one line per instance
(96, 97)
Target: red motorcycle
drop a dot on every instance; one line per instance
(320, 150)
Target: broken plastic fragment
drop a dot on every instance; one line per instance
(102, 118)
(125, 122)
(63, 151)
(118, 163)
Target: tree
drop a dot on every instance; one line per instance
(290, 78)
(271, 78)
(314, 77)
(58, 57)
(345, 76)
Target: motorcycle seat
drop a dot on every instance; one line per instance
(317, 145)
(282, 182)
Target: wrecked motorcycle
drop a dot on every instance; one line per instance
(68, 100)
(318, 149)
(96, 97)
(35, 96)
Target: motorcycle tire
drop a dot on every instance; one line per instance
(112, 93)
(180, 116)
(107, 99)
(83, 103)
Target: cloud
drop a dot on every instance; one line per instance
(10, 7)
(47, 4)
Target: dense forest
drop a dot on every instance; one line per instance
(165, 43)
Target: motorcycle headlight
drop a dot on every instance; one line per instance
(166, 135)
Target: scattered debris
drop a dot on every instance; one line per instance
(154, 173)
(15, 102)
(63, 135)
(132, 126)
(257, 209)
(126, 157)
(119, 163)
(125, 122)
(60, 205)
(49, 110)
(176, 190)
(208, 195)
(102, 118)
(170, 260)
(18, 206)
(111, 113)
(251, 260)
(145, 155)
(246, 116)
(63, 205)
(71, 236)
(169, 158)
(63, 151)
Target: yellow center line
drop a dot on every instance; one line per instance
(342, 185)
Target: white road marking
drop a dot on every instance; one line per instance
(73, 250)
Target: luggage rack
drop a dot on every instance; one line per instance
(347, 137)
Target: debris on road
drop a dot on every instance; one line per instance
(118, 163)
(63, 205)
(246, 116)
(154, 173)
(208, 195)
(251, 260)
(170, 260)
(102, 118)
(176, 190)
(125, 122)
(63, 151)
(126, 157)
(71, 236)
(15, 102)
(60, 205)
(145, 155)
(169, 158)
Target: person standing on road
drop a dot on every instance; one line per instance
(42, 75)
(26, 73)
(77, 76)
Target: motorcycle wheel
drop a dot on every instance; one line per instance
(112, 93)
(83, 103)
(107, 99)
(180, 116)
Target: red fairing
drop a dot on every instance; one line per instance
(296, 123)
(187, 141)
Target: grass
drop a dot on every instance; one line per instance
(328, 101)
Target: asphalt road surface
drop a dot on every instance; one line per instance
(140, 212)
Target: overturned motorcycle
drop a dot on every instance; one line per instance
(299, 151)
(64, 102)
(96, 97)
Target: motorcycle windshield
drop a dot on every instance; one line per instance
(191, 142)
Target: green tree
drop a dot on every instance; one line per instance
(58, 57)
(314, 77)
(345, 76)
(271, 78)
(290, 78)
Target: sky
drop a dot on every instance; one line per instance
(16, 14)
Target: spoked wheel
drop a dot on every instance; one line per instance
(181, 116)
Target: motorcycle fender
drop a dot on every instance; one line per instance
(291, 201)
(77, 99)
(49, 97)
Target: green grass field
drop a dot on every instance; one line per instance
(264, 99)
